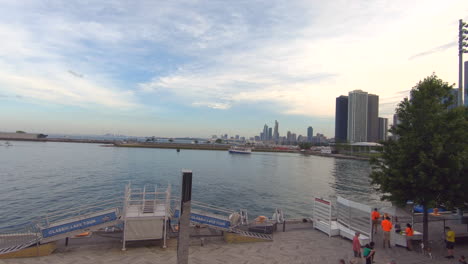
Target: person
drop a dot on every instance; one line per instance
(450, 242)
(342, 261)
(409, 237)
(375, 219)
(368, 252)
(386, 228)
(356, 245)
(462, 260)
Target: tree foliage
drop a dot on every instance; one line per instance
(427, 164)
(305, 145)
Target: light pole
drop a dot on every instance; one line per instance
(462, 36)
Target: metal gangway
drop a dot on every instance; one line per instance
(61, 224)
(222, 219)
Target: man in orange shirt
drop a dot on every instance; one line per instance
(409, 236)
(375, 220)
(386, 228)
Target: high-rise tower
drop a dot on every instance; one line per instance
(383, 129)
(357, 116)
(276, 132)
(372, 118)
(341, 119)
(310, 133)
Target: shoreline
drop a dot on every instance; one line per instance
(200, 146)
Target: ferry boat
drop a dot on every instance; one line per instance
(240, 150)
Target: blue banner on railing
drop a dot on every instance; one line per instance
(208, 220)
(77, 225)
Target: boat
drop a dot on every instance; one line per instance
(240, 150)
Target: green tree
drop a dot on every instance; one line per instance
(305, 145)
(427, 164)
(219, 141)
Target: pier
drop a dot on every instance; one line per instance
(144, 227)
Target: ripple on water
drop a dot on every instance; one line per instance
(38, 177)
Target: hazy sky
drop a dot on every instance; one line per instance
(197, 68)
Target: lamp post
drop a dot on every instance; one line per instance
(462, 44)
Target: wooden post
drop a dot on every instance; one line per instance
(284, 225)
(184, 218)
(66, 241)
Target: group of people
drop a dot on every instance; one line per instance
(387, 225)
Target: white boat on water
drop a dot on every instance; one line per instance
(240, 150)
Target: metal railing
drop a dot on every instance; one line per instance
(66, 215)
(17, 237)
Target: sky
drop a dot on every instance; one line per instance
(202, 68)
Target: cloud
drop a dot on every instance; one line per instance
(75, 74)
(58, 88)
(295, 56)
(434, 50)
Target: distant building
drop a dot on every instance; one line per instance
(372, 118)
(265, 132)
(21, 135)
(310, 133)
(293, 138)
(383, 129)
(357, 116)
(341, 119)
(276, 132)
(319, 139)
(270, 133)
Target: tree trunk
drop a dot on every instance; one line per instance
(425, 227)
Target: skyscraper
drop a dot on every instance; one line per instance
(270, 132)
(265, 132)
(372, 118)
(276, 132)
(310, 133)
(341, 118)
(357, 116)
(383, 129)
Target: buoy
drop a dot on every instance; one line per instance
(261, 219)
(83, 234)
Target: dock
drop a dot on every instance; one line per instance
(299, 244)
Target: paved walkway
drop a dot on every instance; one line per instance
(299, 244)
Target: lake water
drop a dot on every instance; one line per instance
(37, 177)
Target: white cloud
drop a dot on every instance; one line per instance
(295, 55)
(59, 87)
(363, 46)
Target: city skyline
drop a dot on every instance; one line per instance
(144, 69)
